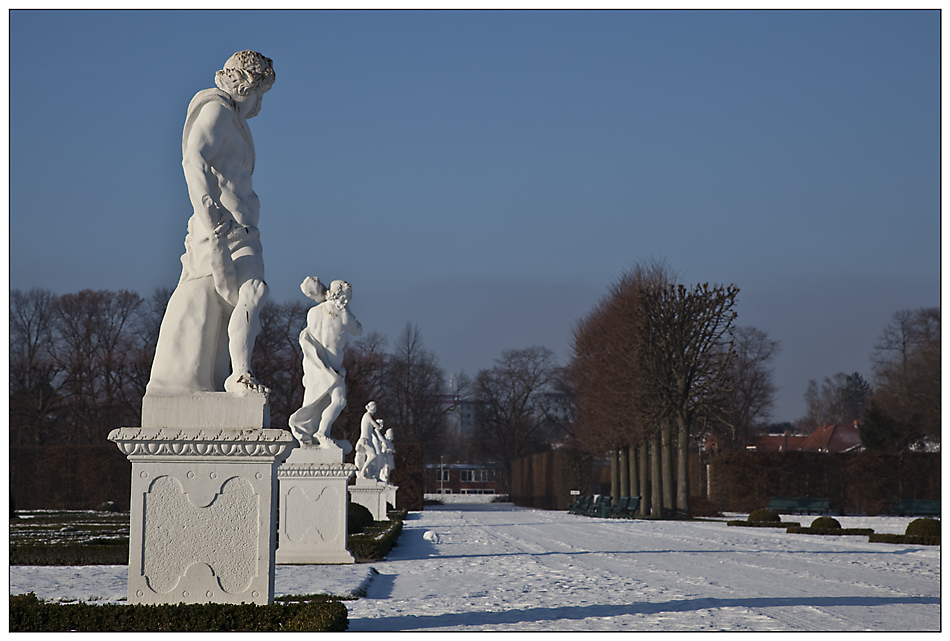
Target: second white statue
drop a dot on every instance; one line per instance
(323, 340)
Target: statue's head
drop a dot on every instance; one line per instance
(340, 291)
(371, 407)
(389, 434)
(244, 71)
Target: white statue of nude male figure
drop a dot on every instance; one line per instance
(323, 340)
(211, 322)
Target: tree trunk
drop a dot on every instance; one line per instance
(666, 461)
(634, 486)
(656, 510)
(624, 465)
(682, 472)
(644, 479)
(614, 476)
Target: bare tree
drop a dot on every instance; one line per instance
(34, 375)
(512, 417)
(752, 393)
(839, 399)
(278, 358)
(415, 397)
(93, 349)
(365, 364)
(906, 365)
(688, 350)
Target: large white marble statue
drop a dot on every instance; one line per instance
(367, 453)
(208, 332)
(329, 323)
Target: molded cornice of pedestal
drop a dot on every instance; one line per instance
(316, 470)
(151, 441)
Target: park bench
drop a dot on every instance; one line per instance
(785, 505)
(580, 504)
(626, 508)
(632, 506)
(918, 508)
(600, 507)
(617, 511)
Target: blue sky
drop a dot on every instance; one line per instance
(487, 175)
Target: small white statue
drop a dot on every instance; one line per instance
(388, 460)
(208, 331)
(323, 340)
(367, 455)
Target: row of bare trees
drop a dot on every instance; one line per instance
(656, 365)
(79, 365)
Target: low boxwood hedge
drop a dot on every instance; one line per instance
(70, 554)
(29, 614)
(375, 542)
(904, 538)
(841, 531)
(784, 524)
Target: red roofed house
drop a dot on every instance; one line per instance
(843, 437)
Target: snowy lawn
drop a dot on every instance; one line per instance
(498, 567)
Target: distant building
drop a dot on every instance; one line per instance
(840, 437)
(460, 478)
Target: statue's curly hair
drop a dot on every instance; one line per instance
(244, 71)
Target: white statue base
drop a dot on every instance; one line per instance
(313, 507)
(202, 513)
(208, 410)
(372, 495)
(389, 496)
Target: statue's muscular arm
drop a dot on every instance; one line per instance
(203, 162)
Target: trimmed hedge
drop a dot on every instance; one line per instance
(855, 482)
(762, 524)
(855, 531)
(375, 542)
(29, 614)
(904, 538)
(70, 554)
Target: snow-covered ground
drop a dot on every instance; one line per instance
(492, 566)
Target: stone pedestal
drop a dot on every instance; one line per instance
(202, 509)
(373, 495)
(313, 507)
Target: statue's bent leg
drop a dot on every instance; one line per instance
(330, 414)
(242, 330)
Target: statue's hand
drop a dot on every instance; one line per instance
(223, 228)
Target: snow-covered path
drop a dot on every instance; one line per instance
(499, 567)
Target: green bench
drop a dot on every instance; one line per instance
(912, 507)
(626, 508)
(600, 507)
(784, 505)
(580, 504)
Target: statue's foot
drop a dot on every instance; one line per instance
(244, 383)
(326, 441)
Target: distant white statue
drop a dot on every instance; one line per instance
(208, 331)
(387, 458)
(329, 323)
(367, 454)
